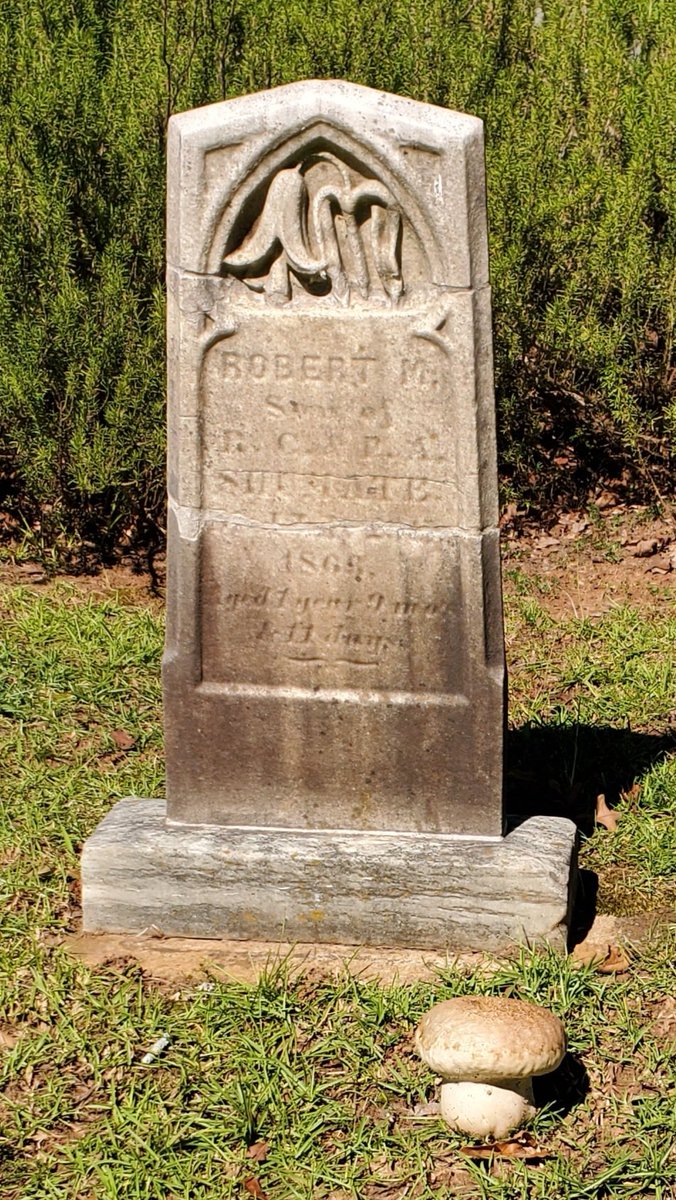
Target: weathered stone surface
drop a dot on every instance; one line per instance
(334, 650)
(442, 892)
(334, 665)
(438, 152)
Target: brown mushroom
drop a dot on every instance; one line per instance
(486, 1050)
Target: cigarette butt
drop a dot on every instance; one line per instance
(156, 1049)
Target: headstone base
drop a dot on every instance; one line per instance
(420, 890)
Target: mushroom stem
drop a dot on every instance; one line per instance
(487, 1109)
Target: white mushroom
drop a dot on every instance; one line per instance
(486, 1050)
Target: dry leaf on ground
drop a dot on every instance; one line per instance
(615, 962)
(8, 1038)
(233, 1169)
(456, 1178)
(258, 1151)
(253, 1187)
(509, 515)
(649, 546)
(606, 499)
(590, 953)
(605, 816)
(123, 740)
(521, 1145)
(608, 959)
(430, 1109)
(632, 793)
(384, 1170)
(664, 1020)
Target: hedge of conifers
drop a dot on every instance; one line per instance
(579, 101)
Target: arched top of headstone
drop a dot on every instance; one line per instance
(325, 188)
(319, 215)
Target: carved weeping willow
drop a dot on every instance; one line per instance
(319, 238)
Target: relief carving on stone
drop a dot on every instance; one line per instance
(324, 228)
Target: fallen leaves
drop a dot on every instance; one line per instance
(124, 741)
(510, 515)
(647, 547)
(8, 1037)
(454, 1177)
(615, 962)
(430, 1109)
(664, 1020)
(607, 959)
(605, 500)
(521, 1145)
(631, 794)
(258, 1151)
(253, 1187)
(628, 1082)
(572, 524)
(605, 816)
(385, 1171)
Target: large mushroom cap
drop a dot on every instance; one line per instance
(489, 1038)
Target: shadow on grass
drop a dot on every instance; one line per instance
(559, 770)
(564, 1088)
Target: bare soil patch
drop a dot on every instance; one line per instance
(175, 959)
(583, 565)
(122, 579)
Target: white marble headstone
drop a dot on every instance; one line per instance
(335, 649)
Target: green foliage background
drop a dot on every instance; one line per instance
(579, 101)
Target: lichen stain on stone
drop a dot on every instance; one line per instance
(315, 915)
(360, 808)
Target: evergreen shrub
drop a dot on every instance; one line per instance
(579, 101)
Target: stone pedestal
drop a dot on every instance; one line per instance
(382, 889)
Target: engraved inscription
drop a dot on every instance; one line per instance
(341, 609)
(299, 425)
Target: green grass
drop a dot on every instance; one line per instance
(321, 1070)
(72, 673)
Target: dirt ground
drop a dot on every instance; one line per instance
(176, 959)
(621, 554)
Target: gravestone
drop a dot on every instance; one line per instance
(334, 680)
